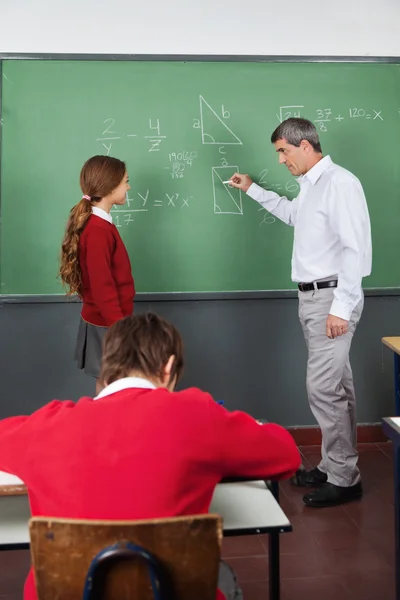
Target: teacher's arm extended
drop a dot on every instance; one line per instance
(279, 206)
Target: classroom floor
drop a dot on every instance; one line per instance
(341, 553)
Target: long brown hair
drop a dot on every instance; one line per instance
(100, 175)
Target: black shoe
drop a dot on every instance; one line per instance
(332, 495)
(313, 478)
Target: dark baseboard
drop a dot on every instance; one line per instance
(311, 436)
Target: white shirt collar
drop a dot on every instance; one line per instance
(124, 384)
(99, 212)
(316, 171)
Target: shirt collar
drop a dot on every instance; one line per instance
(99, 212)
(124, 384)
(316, 171)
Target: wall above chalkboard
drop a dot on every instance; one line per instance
(183, 128)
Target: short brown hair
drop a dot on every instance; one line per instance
(295, 130)
(141, 344)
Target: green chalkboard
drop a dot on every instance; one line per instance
(183, 128)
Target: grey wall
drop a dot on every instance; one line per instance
(248, 352)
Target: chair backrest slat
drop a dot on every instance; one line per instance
(189, 549)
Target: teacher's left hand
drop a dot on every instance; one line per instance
(335, 326)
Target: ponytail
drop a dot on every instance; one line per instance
(70, 270)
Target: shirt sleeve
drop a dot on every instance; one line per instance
(18, 436)
(99, 250)
(279, 206)
(249, 449)
(13, 445)
(350, 221)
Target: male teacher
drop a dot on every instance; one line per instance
(332, 252)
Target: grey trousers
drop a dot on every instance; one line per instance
(330, 387)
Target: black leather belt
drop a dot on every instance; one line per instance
(319, 285)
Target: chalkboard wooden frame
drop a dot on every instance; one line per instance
(201, 57)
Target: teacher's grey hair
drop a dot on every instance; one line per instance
(295, 130)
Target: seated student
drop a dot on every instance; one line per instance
(139, 450)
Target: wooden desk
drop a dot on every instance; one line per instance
(391, 427)
(11, 485)
(394, 344)
(14, 513)
(247, 508)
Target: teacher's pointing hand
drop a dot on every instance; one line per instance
(242, 182)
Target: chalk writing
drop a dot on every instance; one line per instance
(140, 203)
(291, 186)
(268, 219)
(213, 128)
(179, 161)
(357, 113)
(325, 116)
(155, 140)
(227, 200)
(109, 135)
(288, 112)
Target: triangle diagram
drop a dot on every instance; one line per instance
(214, 130)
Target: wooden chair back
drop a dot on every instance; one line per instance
(187, 548)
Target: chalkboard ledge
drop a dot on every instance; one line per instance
(183, 296)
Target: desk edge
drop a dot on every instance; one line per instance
(386, 342)
(13, 490)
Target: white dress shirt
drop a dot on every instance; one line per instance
(99, 212)
(332, 231)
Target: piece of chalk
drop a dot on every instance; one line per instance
(227, 181)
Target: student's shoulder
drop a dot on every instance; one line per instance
(99, 229)
(194, 392)
(96, 223)
(52, 409)
(194, 396)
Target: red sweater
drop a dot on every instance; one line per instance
(137, 454)
(108, 287)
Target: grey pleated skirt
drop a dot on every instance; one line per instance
(89, 348)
